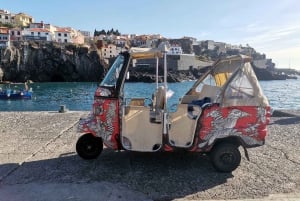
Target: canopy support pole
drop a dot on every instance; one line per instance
(156, 72)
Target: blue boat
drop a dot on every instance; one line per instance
(15, 94)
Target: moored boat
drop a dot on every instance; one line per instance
(15, 94)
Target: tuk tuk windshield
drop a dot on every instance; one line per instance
(113, 74)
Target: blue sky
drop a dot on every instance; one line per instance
(270, 26)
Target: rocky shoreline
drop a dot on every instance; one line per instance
(53, 62)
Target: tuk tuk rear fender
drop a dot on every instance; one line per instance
(103, 121)
(246, 124)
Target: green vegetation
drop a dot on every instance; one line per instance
(7, 25)
(109, 32)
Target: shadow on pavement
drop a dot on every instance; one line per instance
(160, 176)
(287, 121)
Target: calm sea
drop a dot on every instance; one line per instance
(282, 94)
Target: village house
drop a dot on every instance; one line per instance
(59, 34)
(109, 51)
(40, 34)
(62, 35)
(6, 17)
(86, 34)
(4, 37)
(42, 25)
(120, 41)
(77, 37)
(16, 34)
(221, 47)
(175, 50)
(209, 44)
(139, 41)
(23, 19)
(263, 64)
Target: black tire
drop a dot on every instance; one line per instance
(225, 157)
(89, 147)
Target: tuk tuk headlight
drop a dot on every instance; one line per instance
(102, 92)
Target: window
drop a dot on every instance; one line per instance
(32, 33)
(114, 72)
(6, 17)
(46, 33)
(209, 80)
(59, 34)
(65, 35)
(12, 33)
(39, 33)
(66, 40)
(19, 33)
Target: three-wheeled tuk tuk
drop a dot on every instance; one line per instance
(225, 109)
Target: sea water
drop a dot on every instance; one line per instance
(78, 96)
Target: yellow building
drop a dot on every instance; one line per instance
(23, 19)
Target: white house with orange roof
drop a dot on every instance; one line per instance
(41, 24)
(68, 35)
(62, 35)
(37, 34)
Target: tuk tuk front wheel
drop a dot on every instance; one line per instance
(89, 147)
(225, 157)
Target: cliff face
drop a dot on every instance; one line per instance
(50, 62)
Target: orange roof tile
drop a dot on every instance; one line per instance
(63, 30)
(39, 30)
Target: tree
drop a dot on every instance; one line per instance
(97, 33)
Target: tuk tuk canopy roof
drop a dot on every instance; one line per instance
(145, 53)
(237, 82)
(223, 68)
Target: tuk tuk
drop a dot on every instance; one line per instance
(224, 109)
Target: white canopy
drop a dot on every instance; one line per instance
(145, 53)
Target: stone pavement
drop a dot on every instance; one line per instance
(38, 162)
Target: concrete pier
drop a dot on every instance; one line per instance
(38, 162)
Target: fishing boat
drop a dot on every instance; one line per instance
(15, 94)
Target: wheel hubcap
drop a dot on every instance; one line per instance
(89, 148)
(227, 158)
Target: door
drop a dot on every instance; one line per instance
(139, 132)
(183, 125)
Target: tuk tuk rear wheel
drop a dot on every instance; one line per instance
(225, 157)
(89, 147)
